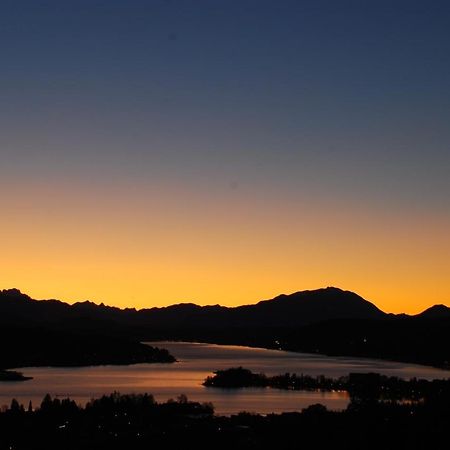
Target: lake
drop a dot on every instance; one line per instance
(195, 362)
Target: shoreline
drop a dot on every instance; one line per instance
(340, 356)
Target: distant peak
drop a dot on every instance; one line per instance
(14, 293)
(439, 307)
(436, 311)
(184, 305)
(329, 290)
(85, 302)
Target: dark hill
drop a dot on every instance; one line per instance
(435, 312)
(307, 307)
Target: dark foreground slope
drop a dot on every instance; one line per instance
(329, 321)
(138, 422)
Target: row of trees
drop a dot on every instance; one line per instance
(138, 422)
(360, 386)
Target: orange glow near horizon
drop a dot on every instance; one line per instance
(158, 246)
(159, 152)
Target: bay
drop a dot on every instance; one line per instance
(195, 362)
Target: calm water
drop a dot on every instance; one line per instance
(195, 362)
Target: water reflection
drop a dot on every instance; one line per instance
(195, 362)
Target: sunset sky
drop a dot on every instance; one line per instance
(225, 151)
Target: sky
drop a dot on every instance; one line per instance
(224, 152)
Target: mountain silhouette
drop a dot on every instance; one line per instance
(436, 312)
(306, 307)
(296, 309)
(54, 333)
(328, 321)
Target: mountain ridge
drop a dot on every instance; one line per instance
(328, 321)
(294, 309)
(436, 309)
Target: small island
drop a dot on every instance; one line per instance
(11, 375)
(236, 377)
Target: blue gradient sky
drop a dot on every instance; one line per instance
(222, 120)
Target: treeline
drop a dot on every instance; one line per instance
(139, 422)
(102, 423)
(362, 386)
